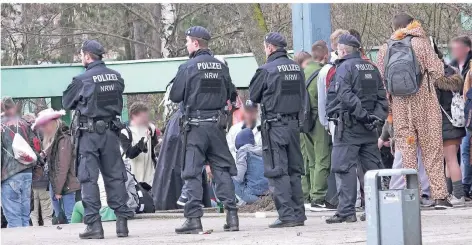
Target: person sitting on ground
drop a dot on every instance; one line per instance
(138, 141)
(251, 120)
(106, 213)
(250, 182)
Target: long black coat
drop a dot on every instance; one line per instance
(167, 184)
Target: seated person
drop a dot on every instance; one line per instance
(251, 120)
(106, 213)
(250, 182)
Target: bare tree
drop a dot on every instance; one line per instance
(255, 28)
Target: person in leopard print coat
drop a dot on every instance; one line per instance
(418, 118)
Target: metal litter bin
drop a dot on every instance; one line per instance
(393, 216)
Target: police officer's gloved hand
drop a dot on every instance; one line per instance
(372, 118)
(142, 146)
(369, 126)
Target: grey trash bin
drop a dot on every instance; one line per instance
(393, 216)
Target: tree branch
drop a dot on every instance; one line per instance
(239, 30)
(86, 32)
(183, 17)
(284, 25)
(140, 16)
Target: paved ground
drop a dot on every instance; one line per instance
(439, 227)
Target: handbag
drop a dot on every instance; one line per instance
(22, 151)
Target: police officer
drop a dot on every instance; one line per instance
(203, 86)
(96, 95)
(356, 102)
(279, 86)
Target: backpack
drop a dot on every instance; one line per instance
(22, 151)
(330, 76)
(402, 70)
(457, 111)
(145, 201)
(308, 122)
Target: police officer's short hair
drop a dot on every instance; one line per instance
(401, 20)
(349, 49)
(201, 42)
(464, 40)
(301, 57)
(319, 50)
(335, 36)
(93, 56)
(137, 107)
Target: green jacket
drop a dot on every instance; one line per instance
(312, 67)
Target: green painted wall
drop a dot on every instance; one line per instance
(147, 76)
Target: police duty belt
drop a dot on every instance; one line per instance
(197, 121)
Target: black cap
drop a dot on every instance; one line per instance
(276, 39)
(198, 32)
(250, 105)
(349, 40)
(93, 47)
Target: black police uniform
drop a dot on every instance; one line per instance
(279, 85)
(203, 85)
(96, 95)
(355, 96)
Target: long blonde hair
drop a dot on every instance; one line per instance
(48, 139)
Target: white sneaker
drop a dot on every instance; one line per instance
(456, 202)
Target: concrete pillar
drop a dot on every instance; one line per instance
(310, 22)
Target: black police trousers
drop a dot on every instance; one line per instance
(284, 174)
(345, 158)
(100, 153)
(206, 144)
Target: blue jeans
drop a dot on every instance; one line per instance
(244, 193)
(16, 199)
(68, 202)
(465, 166)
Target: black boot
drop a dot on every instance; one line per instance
(280, 224)
(93, 231)
(121, 227)
(232, 221)
(338, 219)
(191, 226)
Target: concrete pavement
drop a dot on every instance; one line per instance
(448, 227)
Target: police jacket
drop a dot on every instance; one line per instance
(203, 83)
(357, 89)
(279, 85)
(96, 93)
